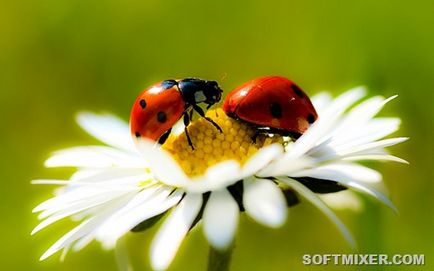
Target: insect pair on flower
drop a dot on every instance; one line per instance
(273, 105)
(123, 187)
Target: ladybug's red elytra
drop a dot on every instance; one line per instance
(161, 105)
(273, 104)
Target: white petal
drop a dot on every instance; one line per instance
(352, 176)
(83, 173)
(264, 202)
(76, 199)
(336, 171)
(371, 146)
(65, 198)
(64, 253)
(70, 237)
(47, 181)
(376, 157)
(361, 114)
(122, 257)
(320, 101)
(83, 195)
(343, 200)
(220, 219)
(82, 230)
(321, 130)
(366, 189)
(68, 212)
(286, 165)
(162, 164)
(85, 228)
(115, 175)
(95, 157)
(364, 133)
(107, 128)
(262, 158)
(105, 181)
(84, 241)
(345, 100)
(216, 177)
(315, 200)
(224, 170)
(57, 213)
(146, 194)
(130, 216)
(172, 232)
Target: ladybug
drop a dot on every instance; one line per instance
(273, 104)
(161, 105)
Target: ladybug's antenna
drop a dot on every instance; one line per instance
(223, 78)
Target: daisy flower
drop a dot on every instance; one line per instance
(122, 187)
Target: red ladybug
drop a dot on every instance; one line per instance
(160, 106)
(273, 104)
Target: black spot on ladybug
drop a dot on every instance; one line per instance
(142, 103)
(137, 134)
(310, 118)
(297, 90)
(276, 110)
(161, 117)
(166, 84)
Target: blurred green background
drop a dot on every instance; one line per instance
(59, 57)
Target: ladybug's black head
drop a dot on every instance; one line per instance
(213, 92)
(194, 91)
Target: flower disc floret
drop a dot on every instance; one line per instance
(211, 146)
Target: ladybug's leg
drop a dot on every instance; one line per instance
(186, 123)
(293, 135)
(255, 135)
(202, 114)
(164, 137)
(191, 115)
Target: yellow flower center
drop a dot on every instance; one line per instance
(212, 146)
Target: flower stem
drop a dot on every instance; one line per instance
(219, 260)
